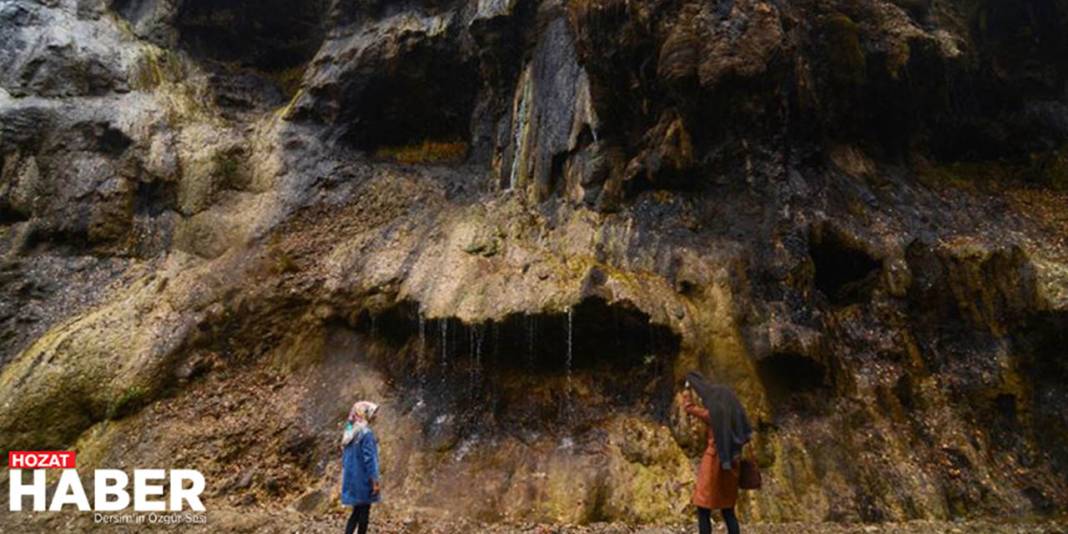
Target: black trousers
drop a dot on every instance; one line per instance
(361, 516)
(704, 521)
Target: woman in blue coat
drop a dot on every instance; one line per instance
(359, 461)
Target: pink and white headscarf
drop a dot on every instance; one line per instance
(359, 420)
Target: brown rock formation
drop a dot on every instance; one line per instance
(518, 224)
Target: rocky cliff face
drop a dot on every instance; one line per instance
(517, 224)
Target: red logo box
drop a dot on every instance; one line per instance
(40, 459)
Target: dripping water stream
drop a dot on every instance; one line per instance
(532, 330)
(568, 361)
(532, 368)
(444, 348)
(475, 337)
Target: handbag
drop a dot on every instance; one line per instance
(749, 477)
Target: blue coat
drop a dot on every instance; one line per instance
(359, 463)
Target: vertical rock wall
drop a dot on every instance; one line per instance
(851, 212)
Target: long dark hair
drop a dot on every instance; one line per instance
(727, 418)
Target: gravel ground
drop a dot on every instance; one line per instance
(286, 521)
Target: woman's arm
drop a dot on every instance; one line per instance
(695, 410)
(369, 454)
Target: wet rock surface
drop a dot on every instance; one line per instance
(517, 225)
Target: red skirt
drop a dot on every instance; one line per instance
(717, 488)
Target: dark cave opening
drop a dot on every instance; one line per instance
(1042, 342)
(794, 383)
(426, 98)
(10, 215)
(272, 35)
(109, 140)
(1024, 42)
(520, 372)
(1007, 107)
(1002, 420)
(155, 197)
(844, 272)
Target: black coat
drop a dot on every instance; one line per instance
(727, 418)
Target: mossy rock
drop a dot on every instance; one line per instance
(226, 165)
(101, 365)
(651, 492)
(289, 80)
(207, 234)
(1046, 169)
(127, 402)
(154, 67)
(429, 151)
(841, 39)
(209, 173)
(1053, 169)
